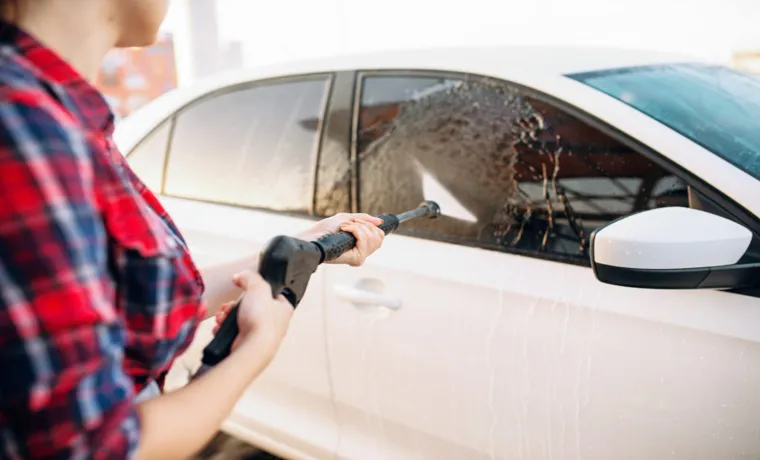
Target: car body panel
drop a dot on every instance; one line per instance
(495, 355)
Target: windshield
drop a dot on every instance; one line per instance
(715, 106)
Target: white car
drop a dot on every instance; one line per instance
(485, 334)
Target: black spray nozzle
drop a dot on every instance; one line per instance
(429, 209)
(433, 210)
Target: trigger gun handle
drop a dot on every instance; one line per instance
(287, 264)
(221, 345)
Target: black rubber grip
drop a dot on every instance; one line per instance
(336, 244)
(221, 345)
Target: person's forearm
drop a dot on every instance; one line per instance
(218, 281)
(180, 423)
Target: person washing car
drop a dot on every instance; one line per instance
(98, 292)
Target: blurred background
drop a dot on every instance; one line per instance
(202, 37)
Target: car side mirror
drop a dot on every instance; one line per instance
(673, 248)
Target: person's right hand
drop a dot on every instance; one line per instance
(260, 317)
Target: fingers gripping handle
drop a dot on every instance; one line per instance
(221, 345)
(334, 245)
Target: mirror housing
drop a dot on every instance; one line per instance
(673, 248)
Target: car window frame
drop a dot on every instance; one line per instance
(341, 99)
(242, 86)
(718, 198)
(170, 135)
(146, 136)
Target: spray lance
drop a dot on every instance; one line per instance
(287, 263)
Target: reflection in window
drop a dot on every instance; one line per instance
(715, 106)
(253, 147)
(530, 177)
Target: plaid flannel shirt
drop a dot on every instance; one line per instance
(98, 293)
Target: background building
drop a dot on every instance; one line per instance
(747, 60)
(201, 46)
(132, 77)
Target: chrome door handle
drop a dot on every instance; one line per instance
(364, 298)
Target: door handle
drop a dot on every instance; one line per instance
(363, 298)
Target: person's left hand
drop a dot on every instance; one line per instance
(363, 226)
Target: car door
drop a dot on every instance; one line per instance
(239, 171)
(484, 334)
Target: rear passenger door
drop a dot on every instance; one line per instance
(485, 334)
(239, 170)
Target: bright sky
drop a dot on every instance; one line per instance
(286, 29)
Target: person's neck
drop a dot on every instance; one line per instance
(80, 37)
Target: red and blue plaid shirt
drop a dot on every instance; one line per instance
(98, 293)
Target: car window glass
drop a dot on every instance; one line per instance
(509, 171)
(713, 105)
(252, 147)
(147, 159)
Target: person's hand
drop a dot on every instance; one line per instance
(260, 317)
(363, 226)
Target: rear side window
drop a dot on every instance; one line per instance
(253, 147)
(147, 159)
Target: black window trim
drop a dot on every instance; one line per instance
(341, 98)
(314, 161)
(153, 130)
(735, 210)
(169, 119)
(169, 141)
(353, 153)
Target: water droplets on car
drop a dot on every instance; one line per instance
(456, 141)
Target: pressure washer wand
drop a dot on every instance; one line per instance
(428, 209)
(335, 245)
(287, 264)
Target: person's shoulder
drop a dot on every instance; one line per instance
(28, 103)
(20, 81)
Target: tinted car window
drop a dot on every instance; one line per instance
(147, 159)
(252, 147)
(509, 171)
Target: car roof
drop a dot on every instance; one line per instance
(498, 61)
(513, 63)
